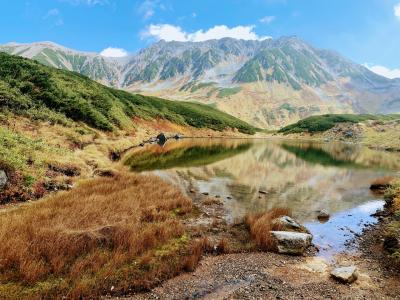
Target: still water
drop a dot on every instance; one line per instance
(303, 176)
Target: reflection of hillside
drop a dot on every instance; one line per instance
(241, 170)
(156, 157)
(341, 154)
(290, 180)
(316, 155)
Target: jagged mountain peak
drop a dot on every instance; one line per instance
(276, 80)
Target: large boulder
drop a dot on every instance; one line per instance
(161, 138)
(3, 179)
(291, 242)
(286, 223)
(345, 274)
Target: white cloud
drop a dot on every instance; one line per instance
(383, 71)
(114, 52)
(148, 8)
(87, 2)
(267, 19)
(170, 32)
(55, 16)
(397, 10)
(52, 13)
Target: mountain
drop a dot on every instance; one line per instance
(268, 83)
(99, 68)
(36, 91)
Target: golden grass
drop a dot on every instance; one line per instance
(122, 231)
(260, 224)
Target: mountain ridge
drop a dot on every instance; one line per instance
(276, 81)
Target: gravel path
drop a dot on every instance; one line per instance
(272, 276)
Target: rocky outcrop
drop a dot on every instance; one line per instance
(345, 274)
(294, 243)
(381, 184)
(3, 179)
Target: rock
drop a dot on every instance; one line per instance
(161, 138)
(391, 243)
(263, 192)
(178, 136)
(205, 193)
(192, 191)
(291, 242)
(381, 184)
(323, 215)
(345, 274)
(348, 134)
(105, 172)
(3, 179)
(287, 223)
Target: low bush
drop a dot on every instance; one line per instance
(260, 224)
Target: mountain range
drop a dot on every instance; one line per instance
(267, 83)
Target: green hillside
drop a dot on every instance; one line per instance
(40, 92)
(325, 122)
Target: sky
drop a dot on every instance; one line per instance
(365, 31)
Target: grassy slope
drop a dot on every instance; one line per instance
(120, 232)
(326, 122)
(39, 92)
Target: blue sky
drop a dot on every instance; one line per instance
(366, 31)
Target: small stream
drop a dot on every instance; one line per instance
(301, 175)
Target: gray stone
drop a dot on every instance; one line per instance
(3, 179)
(323, 215)
(291, 242)
(161, 139)
(345, 274)
(287, 223)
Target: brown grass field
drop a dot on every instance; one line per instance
(108, 235)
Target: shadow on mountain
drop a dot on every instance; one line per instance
(158, 158)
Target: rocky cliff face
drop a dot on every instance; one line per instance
(268, 83)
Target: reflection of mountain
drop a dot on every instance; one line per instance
(319, 156)
(159, 158)
(290, 180)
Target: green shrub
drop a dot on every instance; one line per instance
(325, 122)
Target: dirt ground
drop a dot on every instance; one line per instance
(258, 275)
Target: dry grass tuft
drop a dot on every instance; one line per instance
(211, 201)
(223, 246)
(106, 232)
(260, 224)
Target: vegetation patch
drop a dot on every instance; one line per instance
(392, 236)
(109, 235)
(39, 92)
(325, 122)
(226, 92)
(260, 224)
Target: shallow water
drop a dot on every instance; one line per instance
(301, 175)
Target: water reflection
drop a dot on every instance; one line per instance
(304, 176)
(187, 153)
